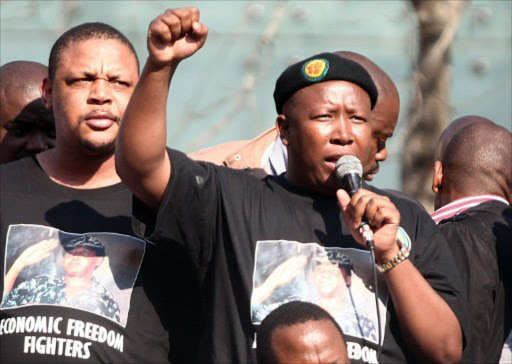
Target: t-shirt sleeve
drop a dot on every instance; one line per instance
(187, 213)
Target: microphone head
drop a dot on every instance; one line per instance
(348, 164)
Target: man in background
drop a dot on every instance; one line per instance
(300, 332)
(266, 154)
(473, 184)
(26, 126)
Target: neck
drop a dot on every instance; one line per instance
(328, 188)
(79, 170)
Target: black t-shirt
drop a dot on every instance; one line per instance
(238, 231)
(123, 315)
(480, 239)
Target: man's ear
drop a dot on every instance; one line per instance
(283, 127)
(46, 88)
(437, 178)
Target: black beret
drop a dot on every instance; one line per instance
(85, 241)
(320, 68)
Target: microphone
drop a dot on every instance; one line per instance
(349, 171)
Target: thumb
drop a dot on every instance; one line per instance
(343, 199)
(200, 32)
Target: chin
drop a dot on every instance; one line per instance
(100, 148)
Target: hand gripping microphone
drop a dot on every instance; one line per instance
(349, 172)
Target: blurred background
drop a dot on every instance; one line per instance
(448, 59)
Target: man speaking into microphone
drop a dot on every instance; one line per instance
(256, 244)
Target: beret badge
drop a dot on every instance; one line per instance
(315, 69)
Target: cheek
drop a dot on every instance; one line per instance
(63, 107)
(373, 147)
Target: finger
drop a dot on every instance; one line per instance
(159, 31)
(386, 215)
(343, 199)
(358, 205)
(173, 22)
(374, 203)
(186, 19)
(200, 30)
(200, 33)
(344, 203)
(195, 14)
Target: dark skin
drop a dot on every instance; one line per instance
(482, 169)
(322, 132)
(309, 342)
(319, 124)
(384, 115)
(26, 126)
(88, 95)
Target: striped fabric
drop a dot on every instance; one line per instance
(462, 204)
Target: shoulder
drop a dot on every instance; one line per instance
(489, 221)
(18, 167)
(218, 153)
(20, 175)
(242, 154)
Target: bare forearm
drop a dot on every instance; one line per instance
(141, 158)
(427, 323)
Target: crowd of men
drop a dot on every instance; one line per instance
(265, 261)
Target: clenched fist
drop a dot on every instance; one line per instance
(175, 35)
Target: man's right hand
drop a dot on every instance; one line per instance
(175, 35)
(37, 252)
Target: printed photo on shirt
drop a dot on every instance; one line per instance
(93, 272)
(338, 279)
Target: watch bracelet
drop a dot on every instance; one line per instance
(402, 254)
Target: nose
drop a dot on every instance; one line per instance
(342, 132)
(100, 92)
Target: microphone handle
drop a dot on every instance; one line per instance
(367, 233)
(351, 182)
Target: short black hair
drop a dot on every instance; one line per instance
(288, 314)
(83, 32)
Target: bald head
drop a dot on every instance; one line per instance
(384, 115)
(477, 159)
(453, 128)
(26, 126)
(22, 77)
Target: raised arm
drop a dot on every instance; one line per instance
(428, 325)
(141, 158)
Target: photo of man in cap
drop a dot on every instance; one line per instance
(323, 276)
(77, 288)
